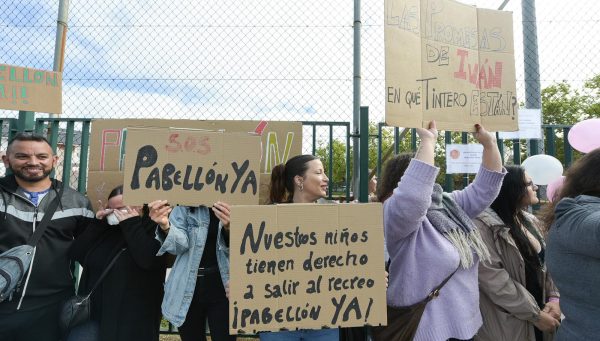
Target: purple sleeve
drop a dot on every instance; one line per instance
(480, 194)
(405, 210)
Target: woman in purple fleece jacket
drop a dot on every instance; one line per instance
(429, 235)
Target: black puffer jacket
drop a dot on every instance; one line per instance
(51, 280)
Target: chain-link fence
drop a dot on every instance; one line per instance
(273, 60)
(284, 60)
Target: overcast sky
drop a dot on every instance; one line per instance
(255, 59)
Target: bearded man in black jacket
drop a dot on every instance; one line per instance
(32, 313)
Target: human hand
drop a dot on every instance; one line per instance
(126, 213)
(159, 210)
(227, 289)
(553, 308)
(430, 133)
(547, 323)
(222, 211)
(484, 137)
(103, 211)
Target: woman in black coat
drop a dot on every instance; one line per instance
(126, 304)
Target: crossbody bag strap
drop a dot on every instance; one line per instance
(436, 291)
(41, 227)
(105, 272)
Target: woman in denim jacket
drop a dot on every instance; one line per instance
(195, 289)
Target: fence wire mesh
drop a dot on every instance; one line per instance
(252, 60)
(266, 59)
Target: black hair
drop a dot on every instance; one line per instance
(27, 136)
(509, 207)
(282, 177)
(393, 170)
(116, 191)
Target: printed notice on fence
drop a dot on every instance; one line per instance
(191, 167)
(306, 266)
(530, 126)
(463, 158)
(28, 89)
(449, 62)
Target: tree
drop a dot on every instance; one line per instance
(563, 104)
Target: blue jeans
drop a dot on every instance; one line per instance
(302, 335)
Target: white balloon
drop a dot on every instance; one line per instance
(543, 169)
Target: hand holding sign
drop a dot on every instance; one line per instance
(483, 136)
(428, 138)
(222, 211)
(126, 213)
(158, 211)
(431, 133)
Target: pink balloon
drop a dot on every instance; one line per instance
(584, 135)
(554, 187)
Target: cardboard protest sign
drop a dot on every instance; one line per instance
(99, 186)
(28, 89)
(190, 166)
(449, 62)
(306, 266)
(280, 141)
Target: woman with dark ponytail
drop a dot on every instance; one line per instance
(301, 180)
(518, 300)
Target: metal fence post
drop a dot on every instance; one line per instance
(533, 97)
(25, 122)
(363, 173)
(356, 96)
(449, 178)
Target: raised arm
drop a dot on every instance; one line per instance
(491, 159)
(406, 208)
(479, 195)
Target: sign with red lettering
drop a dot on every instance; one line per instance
(280, 140)
(306, 266)
(449, 62)
(191, 167)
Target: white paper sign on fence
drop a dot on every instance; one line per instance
(530, 126)
(463, 158)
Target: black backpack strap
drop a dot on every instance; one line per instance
(41, 227)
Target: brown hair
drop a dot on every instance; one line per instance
(392, 172)
(282, 178)
(583, 177)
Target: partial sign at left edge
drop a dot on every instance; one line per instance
(27, 89)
